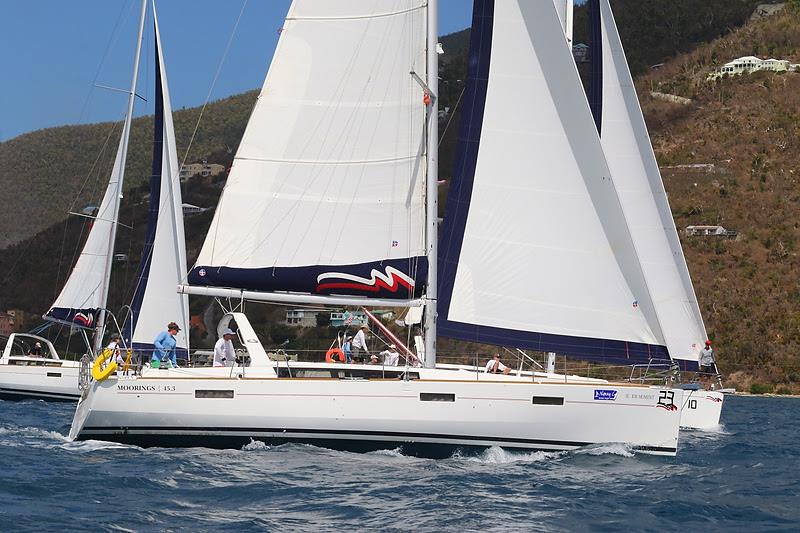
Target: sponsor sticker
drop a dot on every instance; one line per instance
(605, 394)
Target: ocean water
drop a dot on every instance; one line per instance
(743, 477)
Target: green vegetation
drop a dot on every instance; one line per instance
(761, 388)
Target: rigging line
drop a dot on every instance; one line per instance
(111, 40)
(452, 115)
(211, 90)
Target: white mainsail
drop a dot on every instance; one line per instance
(163, 264)
(636, 174)
(326, 193)
(536, 251)
(83, 299)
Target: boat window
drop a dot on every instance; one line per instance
(54, 374)
(343, 373)
(436, 397)
(547, 400)
(213, 394)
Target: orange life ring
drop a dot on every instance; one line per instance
(334, 351)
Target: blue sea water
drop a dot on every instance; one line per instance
(744, 477)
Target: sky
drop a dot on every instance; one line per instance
(54, 52)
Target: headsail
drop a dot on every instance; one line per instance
(84, 294)
(163, 262)
(536, 251)
(326, 194)
(633, 164)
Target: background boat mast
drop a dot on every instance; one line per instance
(126, 130)
(432, 189)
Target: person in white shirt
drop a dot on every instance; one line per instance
(116, 352)
(494, 366)
(360, 344)
(390, 356)
(706, 364)
(224, 354)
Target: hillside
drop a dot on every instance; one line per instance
(749, 128)
(656, 30)
(46, 173)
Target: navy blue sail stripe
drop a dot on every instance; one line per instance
(85, 318)
(596, 63)
(155, 200)
(390, 278)
(458, 204)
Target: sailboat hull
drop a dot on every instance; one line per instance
(430, 416)
(701, 409)
(56, 381)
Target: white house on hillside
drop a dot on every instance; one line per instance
(750, 64)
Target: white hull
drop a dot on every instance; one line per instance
(54, 380)
(701, 409)
(44, 378)
(175, 408)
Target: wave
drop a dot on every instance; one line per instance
(610, 448)
(255, 445)
(498, 455)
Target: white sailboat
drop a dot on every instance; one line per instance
(82, 301)
(637, 178)
(337, 206)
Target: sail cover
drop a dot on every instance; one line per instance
(633, 164)
(535, 250)
(326, 193)
(163, 264)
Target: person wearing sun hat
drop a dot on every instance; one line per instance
(360, 343)
(164, 351)
(706, 363)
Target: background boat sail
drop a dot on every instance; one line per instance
(341, 135)
(82, 301)
(637, 178)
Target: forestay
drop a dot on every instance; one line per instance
(638, 181)
(536, 251)
(326, 193)
(163, 263)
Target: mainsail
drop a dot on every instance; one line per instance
(83, 299)
(326, 193)
(636, 174)
(536, 251)
(163, 262)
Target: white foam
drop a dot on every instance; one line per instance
(611, 448)
(498, 455)
(255, 445)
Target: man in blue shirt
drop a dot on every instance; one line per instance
(165, 347)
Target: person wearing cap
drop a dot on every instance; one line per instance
(390, 356)
(347, 348)
(706, 363)
(116, 352)
(494, 366)
(224, 353)
(373, 360)
(360, 343)
(165, 347)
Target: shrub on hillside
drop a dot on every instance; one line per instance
(761, 388)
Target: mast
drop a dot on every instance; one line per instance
(126, 130)
(432, 190)
(569, 21)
